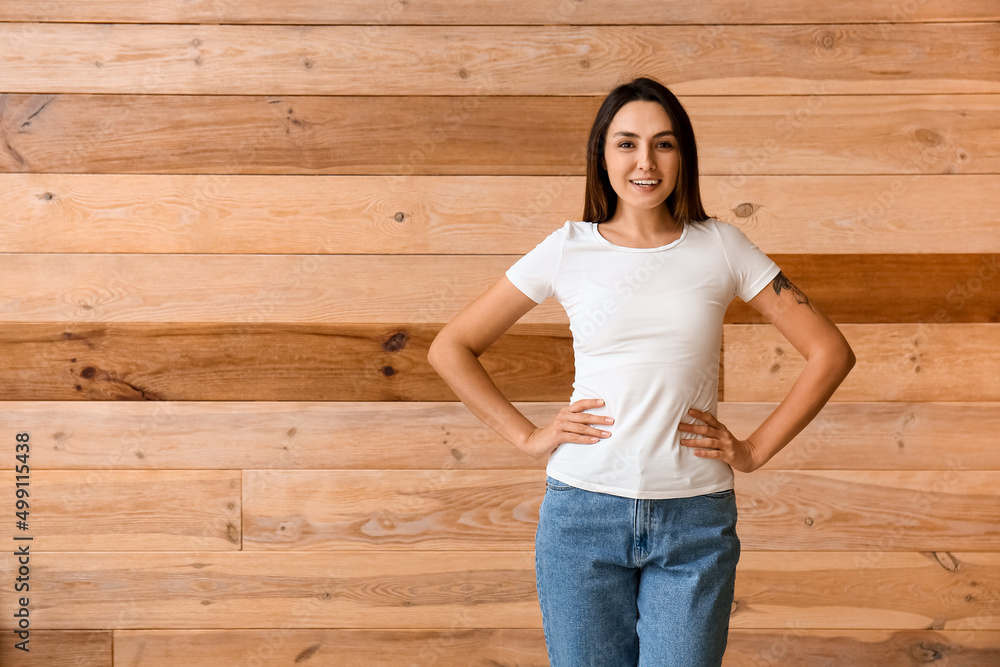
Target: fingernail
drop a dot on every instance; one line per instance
(608, 420)
(600, 401)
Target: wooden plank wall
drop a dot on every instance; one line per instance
(230, 231)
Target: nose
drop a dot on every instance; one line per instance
(645, 159)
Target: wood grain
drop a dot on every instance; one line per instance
(883, 510)
(898, 362)
(138, 510)
(80, 648)
(243, 362)
(496, 60)
(450, 590)
(483, 135)
(517, 12)
(348, 435)
(247, 290)
(452, 215)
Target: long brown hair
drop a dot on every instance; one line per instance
(600, 201)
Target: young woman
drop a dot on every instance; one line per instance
(636, 547)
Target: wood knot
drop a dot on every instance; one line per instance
(827, 40)
(399, 217)
(744, 210)
(396, 342)
(809, 521)
(88, 372)
(387, 371)
(946, 560)
(463, 73)
(929, 137)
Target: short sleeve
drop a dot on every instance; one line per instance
(535, 273)
(752, 270)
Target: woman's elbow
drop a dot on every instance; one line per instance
(845, 358)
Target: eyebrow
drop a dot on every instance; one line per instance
(633, 134)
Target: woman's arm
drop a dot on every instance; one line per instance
(455, 352)
(829, 359)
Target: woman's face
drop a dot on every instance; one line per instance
(640, 146)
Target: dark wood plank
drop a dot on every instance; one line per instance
(46, 648)
(870, 289)
(885, 648)
(444, 60)
(456, 215)
(234, 134)
(196, 362)
(457, 645)
(518, 12)
(484, 647)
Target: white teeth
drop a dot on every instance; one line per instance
(645, 182)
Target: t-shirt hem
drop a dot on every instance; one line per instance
(639, 495)
(760, 284)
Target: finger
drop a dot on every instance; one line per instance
(697, 428)
(586, 404)
(706, 417)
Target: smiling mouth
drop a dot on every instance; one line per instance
(645, 183)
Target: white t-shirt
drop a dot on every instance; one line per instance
(647, 331)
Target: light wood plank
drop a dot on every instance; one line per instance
(898, 362)
(137, 510)
(423, 289)
(181, 213)
(493, 60)
(517, 12)
(428, 590)
(885, 510)
(477, 135)
(79, 648)
(243, 362)
(161, 435)
(869, 510)
(446, 436)
(386, 510)
(883, 436)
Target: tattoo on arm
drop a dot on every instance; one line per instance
(782, 282)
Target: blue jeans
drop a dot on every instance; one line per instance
(625, 582)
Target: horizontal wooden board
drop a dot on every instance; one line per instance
(244, 362)
(884, 510)
(518, 12)
(531, 362)
(456, 646)
(899, 362)
(248, 290)
(885, 648)
(266, 435)
(446, 215)
(139, 510)
(499, 60)
(79, 648)
(888, 436)
(494, 647)
(468, 590)
(483, 135)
